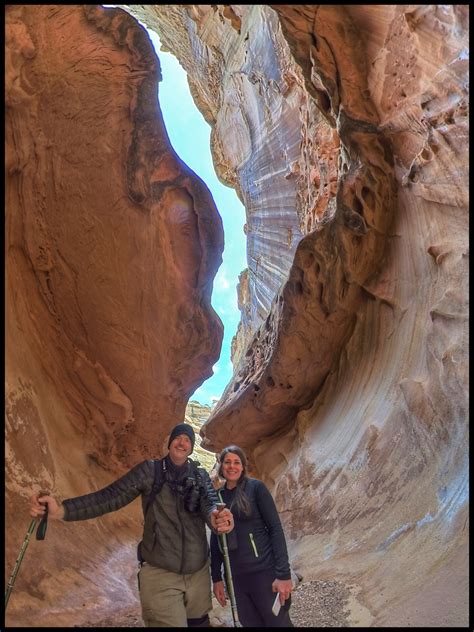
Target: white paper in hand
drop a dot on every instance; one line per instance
(276, 605)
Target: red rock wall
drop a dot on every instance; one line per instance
(112, 246)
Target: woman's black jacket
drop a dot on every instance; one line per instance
(257, 542)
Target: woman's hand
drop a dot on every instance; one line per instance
(37, 507)
(219, 592)
(283, 587)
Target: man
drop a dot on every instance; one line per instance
(174, 580)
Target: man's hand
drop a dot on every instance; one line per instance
(219, 592)
(37, 507)
(283, 587)
(222, 521)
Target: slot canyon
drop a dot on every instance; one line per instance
(344, 131)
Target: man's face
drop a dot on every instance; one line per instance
(180, 448)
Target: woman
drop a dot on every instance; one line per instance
(257, 547)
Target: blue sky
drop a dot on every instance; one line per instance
(190, 137)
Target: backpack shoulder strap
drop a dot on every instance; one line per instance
(198, 470)
(195, 464)
(158, 481)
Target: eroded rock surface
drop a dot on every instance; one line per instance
(112, 246)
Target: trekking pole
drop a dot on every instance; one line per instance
(230, 584)
(40, 534)
(228, 574)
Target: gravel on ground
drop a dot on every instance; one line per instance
(316, 603)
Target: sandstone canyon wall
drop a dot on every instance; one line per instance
(112, 246)
(344, 131)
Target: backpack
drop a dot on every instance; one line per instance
(158, 482)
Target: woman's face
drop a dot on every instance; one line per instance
(231, 467)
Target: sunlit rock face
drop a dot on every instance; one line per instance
(351, 397)
(245, 328)
(195, 415)
(112, 246)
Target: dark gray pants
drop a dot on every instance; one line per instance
(254, 597)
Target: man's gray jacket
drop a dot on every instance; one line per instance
(173, 539)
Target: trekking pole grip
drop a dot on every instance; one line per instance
(41, 530)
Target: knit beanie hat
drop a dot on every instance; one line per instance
(182, 429)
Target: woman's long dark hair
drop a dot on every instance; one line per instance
(241, 501)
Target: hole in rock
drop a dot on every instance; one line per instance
(358, 208)
(367, 196)
(324, 102)
(298, 288)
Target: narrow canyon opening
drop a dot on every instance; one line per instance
(189, 135)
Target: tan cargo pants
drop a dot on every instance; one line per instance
(169, 599)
